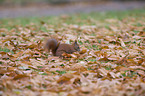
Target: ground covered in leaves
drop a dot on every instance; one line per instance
(111, 61)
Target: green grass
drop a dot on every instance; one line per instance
(80, 19)
(4, 49)
(60, 72)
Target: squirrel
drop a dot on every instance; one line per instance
(58, 49)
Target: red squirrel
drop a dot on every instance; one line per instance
(58, 49)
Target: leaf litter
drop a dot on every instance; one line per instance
(111, 60)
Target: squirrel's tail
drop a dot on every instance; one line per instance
(52, 45)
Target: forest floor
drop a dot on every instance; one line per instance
(111, 61)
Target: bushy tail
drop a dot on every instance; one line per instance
(52, 45)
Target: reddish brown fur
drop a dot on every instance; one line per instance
(58, 49)
(65, 48)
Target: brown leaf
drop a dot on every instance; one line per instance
(83, 50)
(20, 76)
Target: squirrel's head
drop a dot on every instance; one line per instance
(76, 46)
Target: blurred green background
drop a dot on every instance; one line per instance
(29, 2)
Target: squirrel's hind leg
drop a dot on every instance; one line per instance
(59, 53)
